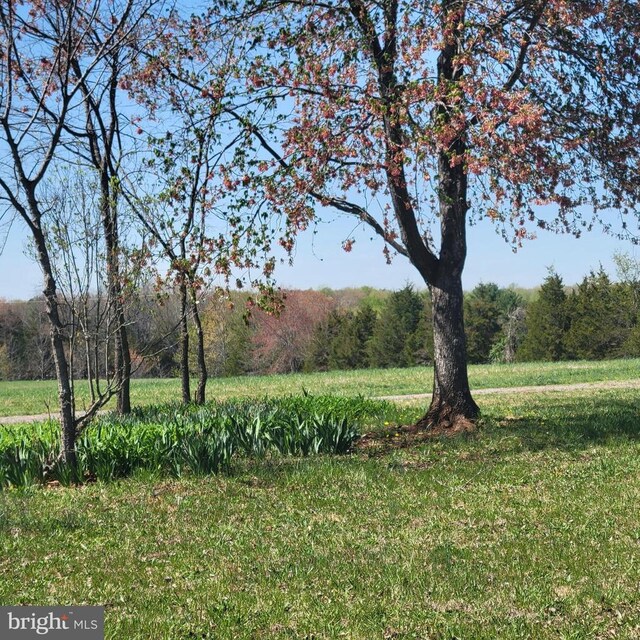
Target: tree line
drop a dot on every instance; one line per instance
(355, 329)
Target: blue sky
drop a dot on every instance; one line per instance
(320, 261)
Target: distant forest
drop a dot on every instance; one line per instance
(351, 328)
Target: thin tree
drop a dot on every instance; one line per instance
(176, 218)
(40, 95)
(99, 140)
(184, 80)
(178, 205)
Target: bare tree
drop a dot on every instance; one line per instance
(50, 51)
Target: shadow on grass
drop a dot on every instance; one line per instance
(568, 424)
(533, 423)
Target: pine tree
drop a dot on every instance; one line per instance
(394, 342)
(324, 334)
(599, 319)
(344, 347)
(489, 316)
(547, 322)
(349, 347)
(482, 314)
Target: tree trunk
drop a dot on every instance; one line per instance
(65, 395)
(122, 356)
(184, 345)
(451, 405)
(122, 347)
(202, 364)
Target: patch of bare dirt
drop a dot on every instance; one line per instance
(407, 436)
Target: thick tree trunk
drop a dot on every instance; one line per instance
(451, 405)
(184, 346)
(202, 364)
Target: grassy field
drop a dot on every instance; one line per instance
(527, 528)
(39, 397)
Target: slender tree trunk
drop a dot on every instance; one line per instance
(202, 364)
(122, 344)
(91, 375)
(65, 394)
(122, 356)
(184, 345)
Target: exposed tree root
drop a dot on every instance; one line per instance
(446, 421)
(449, 418)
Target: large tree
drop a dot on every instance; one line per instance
(419, 117)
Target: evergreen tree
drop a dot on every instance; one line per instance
(631, 347)
(324, 334)
(482, 315)
(599, 319)
(394, 342)
(488, 310)
(420, 343)
(349, 347)
(547, 322)
(343, 348)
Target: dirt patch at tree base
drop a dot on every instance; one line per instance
(406, 436)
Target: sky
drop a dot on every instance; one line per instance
(319, 260)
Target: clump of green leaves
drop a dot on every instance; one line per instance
(175, 439)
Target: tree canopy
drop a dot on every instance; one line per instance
(417, 117)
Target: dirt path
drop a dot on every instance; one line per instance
(606, 384)
(610, 384)
(24, 419)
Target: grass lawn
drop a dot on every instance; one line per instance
(527, 528)
(38, 397)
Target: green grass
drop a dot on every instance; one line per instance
(527, 528)
(38, 397)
